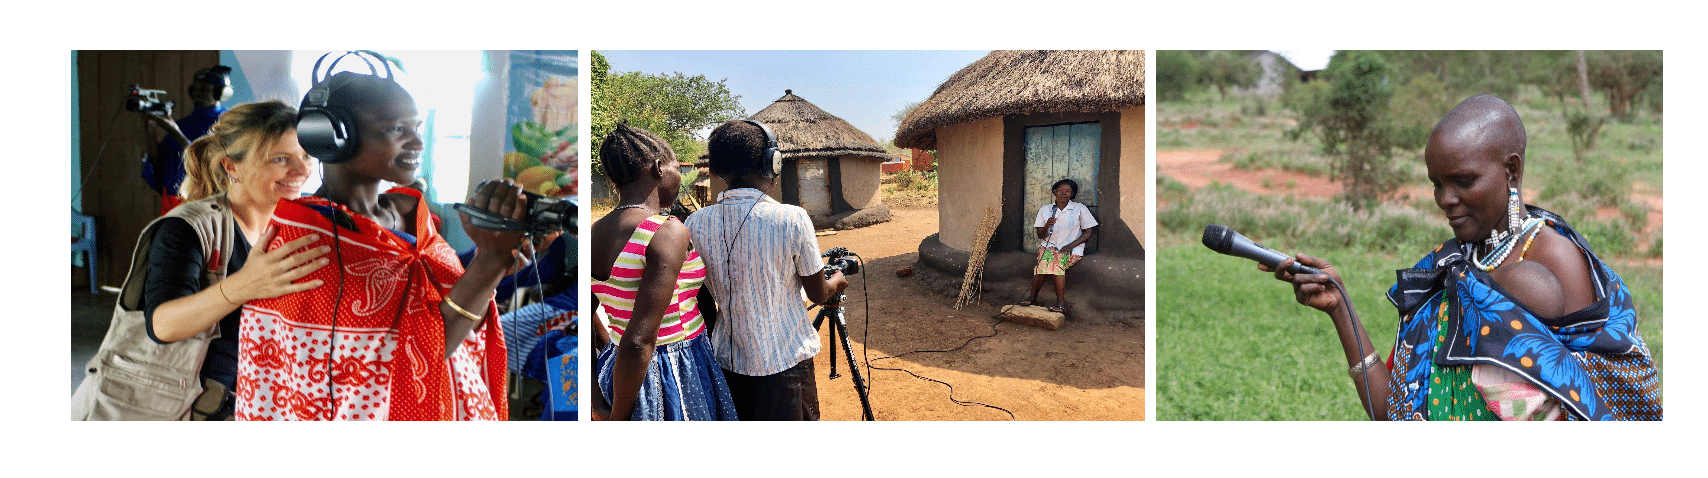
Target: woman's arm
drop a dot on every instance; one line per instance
(265, 274)
(664, 256)
(1319, 291)
(494, 256)
(1084, 235)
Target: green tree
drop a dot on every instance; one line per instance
(673, 106)
(1349, 115)
(1176, 74)
(1623, 75)
(1223, 69)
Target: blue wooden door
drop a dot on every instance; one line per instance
(1053, 153)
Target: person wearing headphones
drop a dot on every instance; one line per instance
(401, 330)
(163, 166)
(760, 255)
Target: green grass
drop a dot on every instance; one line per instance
(1234, 345)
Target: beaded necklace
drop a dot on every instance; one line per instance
(1499, 251)
(637, 206)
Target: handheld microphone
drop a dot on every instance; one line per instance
(1226, 241)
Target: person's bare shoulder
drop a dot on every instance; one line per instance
(1553, 279)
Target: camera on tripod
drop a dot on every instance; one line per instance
(841, 260)
(545, 215)
(147, 101)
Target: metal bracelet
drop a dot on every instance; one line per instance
(460, 310)
(1363, 365)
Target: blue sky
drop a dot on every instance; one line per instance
(862, 87)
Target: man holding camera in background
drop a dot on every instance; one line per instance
(163, 165)
(760, 255)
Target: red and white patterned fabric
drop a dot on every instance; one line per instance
(369, 346)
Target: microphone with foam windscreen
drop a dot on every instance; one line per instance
(1226, 241)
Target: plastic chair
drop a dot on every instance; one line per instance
(83, 240)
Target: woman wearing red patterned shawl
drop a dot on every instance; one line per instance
(401, 329)
(655, 366)
(1515, 318)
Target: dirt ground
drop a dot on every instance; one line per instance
(1078, 372)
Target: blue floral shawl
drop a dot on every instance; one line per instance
(1593, 360)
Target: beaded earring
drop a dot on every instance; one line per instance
(1514, 210)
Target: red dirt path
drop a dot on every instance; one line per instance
(1199, 167)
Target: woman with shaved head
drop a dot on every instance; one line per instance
(1514, 318)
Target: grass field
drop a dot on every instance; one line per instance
(1232, 344)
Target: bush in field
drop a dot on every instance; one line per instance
(1348, 115)
(1583, 127)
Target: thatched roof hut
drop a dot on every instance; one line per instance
(830, 167)
(1025, 82)
(805, 131)
(1009, 125)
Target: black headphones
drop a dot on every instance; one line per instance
(770, 162)
(219, 77)
(325, 131)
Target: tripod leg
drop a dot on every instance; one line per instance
(826, 311)
(854, 368)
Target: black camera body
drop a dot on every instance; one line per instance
(147, 101)
(549, 214)
(841, 260)
(545, 216)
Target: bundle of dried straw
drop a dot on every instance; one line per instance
(972, 284)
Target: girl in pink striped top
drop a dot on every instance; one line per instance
(653, 365)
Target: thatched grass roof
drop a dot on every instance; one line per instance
(805, 131)
(1028, 81)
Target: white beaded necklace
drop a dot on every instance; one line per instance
(1499, 251)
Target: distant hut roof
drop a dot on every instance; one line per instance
(1028, 81)
(803, 131)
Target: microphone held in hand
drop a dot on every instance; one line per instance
(1226, 241)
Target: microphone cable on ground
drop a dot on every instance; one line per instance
(964, 403)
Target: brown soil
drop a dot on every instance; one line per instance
(1079, 372)
(1197, 168)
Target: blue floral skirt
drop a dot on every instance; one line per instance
(683, 382)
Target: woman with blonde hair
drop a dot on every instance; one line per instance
(401, 332)
(202, 264)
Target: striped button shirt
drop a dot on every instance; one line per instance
(756, 251)
(681, 320)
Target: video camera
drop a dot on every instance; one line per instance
(147, 102)
(545, 215)
(841, 260)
